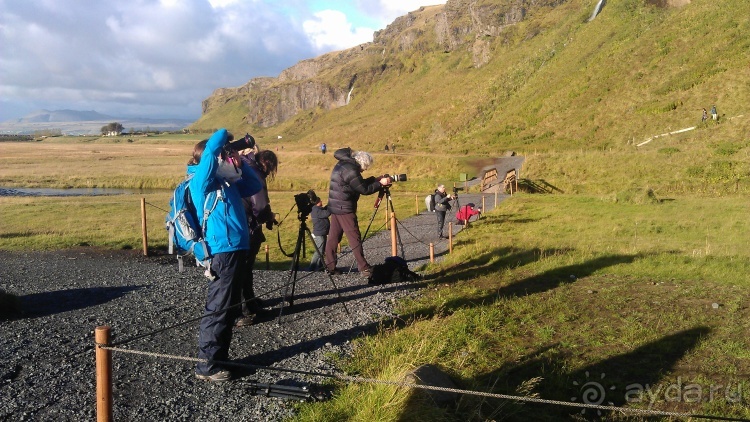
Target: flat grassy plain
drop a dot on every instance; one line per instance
(152, 167)
(624, 282)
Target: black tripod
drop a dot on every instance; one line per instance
(292, 280)
(458, 203)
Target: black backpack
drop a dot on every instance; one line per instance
(393, 270)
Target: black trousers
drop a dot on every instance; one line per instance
(216, 328)
(440, 221)
(251, 307)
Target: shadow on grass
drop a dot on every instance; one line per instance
(611, 382)
(51, 303)
(548, 280)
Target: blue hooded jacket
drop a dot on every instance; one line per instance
(226, 228)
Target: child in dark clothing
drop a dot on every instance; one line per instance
(321, 225)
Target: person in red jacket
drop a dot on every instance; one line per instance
(466, 212)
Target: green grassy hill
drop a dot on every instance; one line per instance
(555, 80)
(554, 84)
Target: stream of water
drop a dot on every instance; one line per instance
(5, 191)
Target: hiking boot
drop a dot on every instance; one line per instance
(244, 321)
(366, 273)
(219, 376)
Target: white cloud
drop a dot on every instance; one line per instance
(330, 29)
(112, 55)
(161, 56)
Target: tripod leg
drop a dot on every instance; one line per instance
(292, 280)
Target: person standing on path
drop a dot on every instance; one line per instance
(258, 210)
(442, 206)
(344, 190)
(221, 179)
(714, 113)
(321, 225)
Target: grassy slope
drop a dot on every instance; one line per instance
(555, 81)
(555, 290)
(557, 84)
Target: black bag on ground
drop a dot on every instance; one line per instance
(393, 270)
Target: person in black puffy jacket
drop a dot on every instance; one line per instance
(347, 184)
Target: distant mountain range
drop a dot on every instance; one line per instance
(46, 116)
(77, 122)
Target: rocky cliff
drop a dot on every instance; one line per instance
(328, 81)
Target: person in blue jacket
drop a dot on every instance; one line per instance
(219, 181)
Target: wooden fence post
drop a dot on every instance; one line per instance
(432, 253)
(143, 227)
(268, 262)
(103, 375)
(450, 237)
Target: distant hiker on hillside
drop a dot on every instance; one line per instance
(386, 147)
(714, 114)
(705, 116)
(323, 148)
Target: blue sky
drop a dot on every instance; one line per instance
(161, 58)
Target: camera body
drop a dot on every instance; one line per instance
(305, 201)
(456, 190)
(243, 143)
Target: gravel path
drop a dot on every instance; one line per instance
(46, 357)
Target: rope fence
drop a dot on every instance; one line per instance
(626, 411)
(103, 347)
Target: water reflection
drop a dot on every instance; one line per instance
(71, 192)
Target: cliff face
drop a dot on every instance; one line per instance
(326, 82)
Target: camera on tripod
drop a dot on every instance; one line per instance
(305, 202)
(396, 177)
(456, 190)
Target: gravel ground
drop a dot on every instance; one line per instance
(47, 359)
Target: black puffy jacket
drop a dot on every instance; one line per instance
(347, 184)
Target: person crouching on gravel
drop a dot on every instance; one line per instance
(227, 240)
(442, 205)
(344, 190)
(466, 212)
(321, 225)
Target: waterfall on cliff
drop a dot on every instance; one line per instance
(597, 9)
